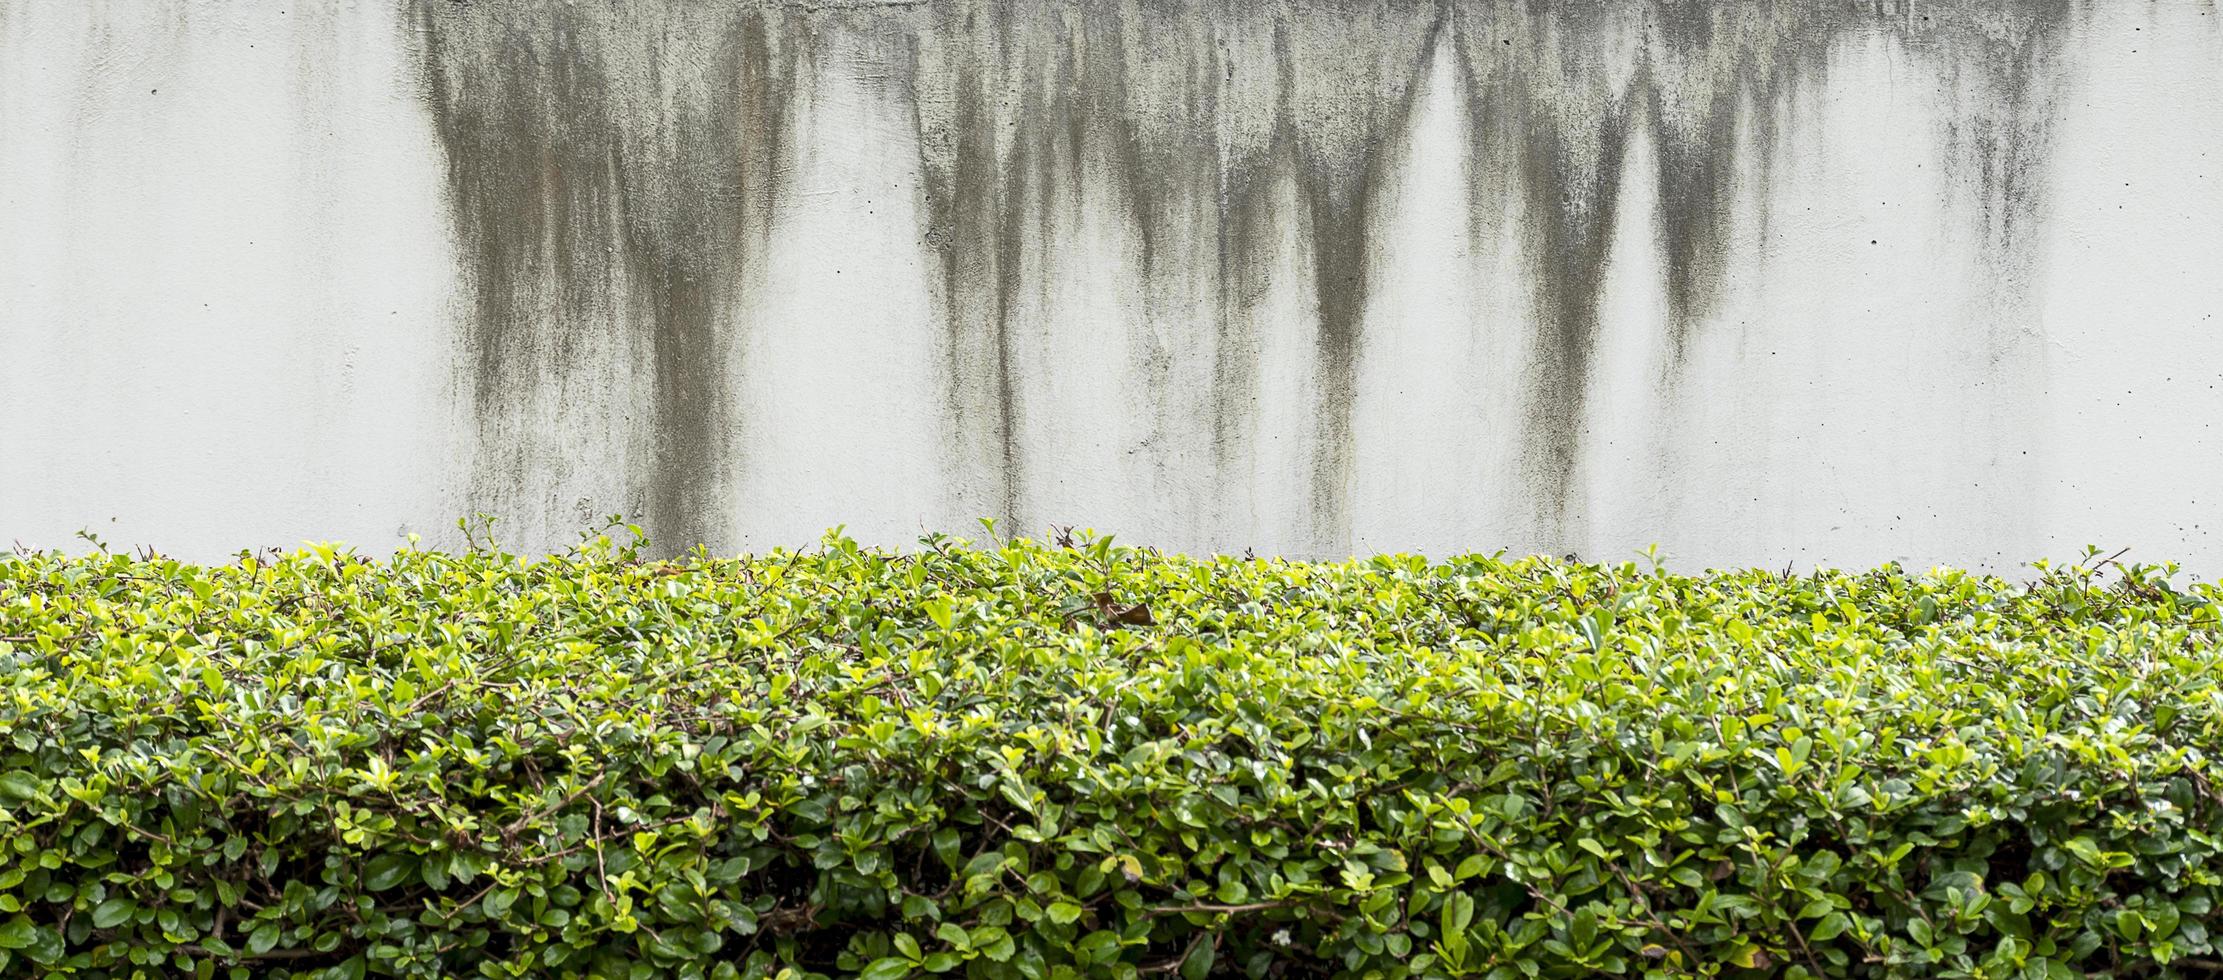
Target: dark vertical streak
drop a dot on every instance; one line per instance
(1570, 223)
(1235, 382)
(1151, 104)
(610, 172)
(1566, 169)
(1342, 109)
(1254, 151)
(1337, 222)
(1029, 183)
(1695, 184)
(971, 227)
(613, 170)
(1710, 80)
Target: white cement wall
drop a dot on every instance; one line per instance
(1763, 283)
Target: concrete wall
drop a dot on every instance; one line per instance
(1762, 282)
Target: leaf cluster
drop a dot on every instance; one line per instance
(1012, 759)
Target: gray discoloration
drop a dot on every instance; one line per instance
(1573, 85)
(1552, 121)
(1028, 105)
(1341, 105)
(2008, 59)
(611, 169)
(1030, 108)
(614, 169)
(971, 228)
(1801, 280)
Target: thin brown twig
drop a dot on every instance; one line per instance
(521, 822)
(1225, 909)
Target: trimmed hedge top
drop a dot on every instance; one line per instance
(1082, 760)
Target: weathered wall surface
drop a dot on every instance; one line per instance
(1762, 282)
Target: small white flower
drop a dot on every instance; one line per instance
(1281, 937)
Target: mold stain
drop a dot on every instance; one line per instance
(1573, 84)
(961, 95)
(613, 170)
(1131, 99)
(1343, 111)
(1552, 129)
(1155, 110)
(1560, 91)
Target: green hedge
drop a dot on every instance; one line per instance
(1080, 760)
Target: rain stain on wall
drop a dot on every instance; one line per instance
(612, 172)
(1027, 106)
(616, 170)
(1563, 90)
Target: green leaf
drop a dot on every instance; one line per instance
(1832, 925)
(2163, 917)
(938, 610)
(388, 870)
(1100, 946)
(886, 968)
(1472, 866)
(955, 935)
(993, 942)
(1458, 912)
(1198, 963)
(946, 841)
(799, 761)
(113, 912)
(1583, 928)
(2085, 851)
